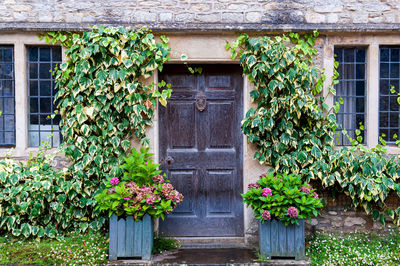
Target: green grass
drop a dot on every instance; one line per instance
(354, 249)
(162, 243)
(89, 249)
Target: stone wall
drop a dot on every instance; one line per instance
(204, 15)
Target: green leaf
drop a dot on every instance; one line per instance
(375, 214)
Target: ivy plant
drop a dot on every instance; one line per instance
(39, 201)
(104, 100)
(294, 129)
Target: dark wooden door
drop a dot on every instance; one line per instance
(201, 150)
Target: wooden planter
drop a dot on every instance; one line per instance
(278, 240)
(130, 239)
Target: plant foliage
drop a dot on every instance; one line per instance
(274, 194)
(38, 201)
(104, 100)
(294, 129)
(141, 191)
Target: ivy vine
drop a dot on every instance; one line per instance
(294, 129)
(103, 99)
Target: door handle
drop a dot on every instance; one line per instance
(169, 160)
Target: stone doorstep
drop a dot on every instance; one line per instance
(233, 257)
(211, 242)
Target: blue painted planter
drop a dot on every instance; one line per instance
(278, 240)
(130, 239)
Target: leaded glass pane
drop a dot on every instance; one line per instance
(7, 96)
(41, 92)
(389, 79)
(351, 88)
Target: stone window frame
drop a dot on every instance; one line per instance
(372, 42)
(21, 42)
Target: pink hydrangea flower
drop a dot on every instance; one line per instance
(266, 215)
(150, 200)
(293, 212)
(158, 179)
(306, 190)
(127, 198)
(266, 191)
(254, 185)
(315, 195)
(114, 181)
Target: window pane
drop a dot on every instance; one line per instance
(41, 92)
(33, 88)
(384, 55)
(389, 110)
(384, 70)
(394, 54)
(351, 88)
(45, 88)
(44, 71)
(7, 104)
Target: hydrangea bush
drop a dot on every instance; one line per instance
(284, 197)
(142, 189)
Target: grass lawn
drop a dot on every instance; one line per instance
(92, 248)
(354, 249)
(89, 249)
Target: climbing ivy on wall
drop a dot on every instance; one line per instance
(294, 129)
(103, 99)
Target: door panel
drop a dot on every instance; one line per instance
(201, 150)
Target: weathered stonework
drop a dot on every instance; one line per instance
(261, 15)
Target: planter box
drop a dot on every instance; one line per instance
(278, 240)
(130, 239)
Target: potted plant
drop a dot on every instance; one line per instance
(281, 202)
(132, 202)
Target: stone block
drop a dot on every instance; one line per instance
(337, 224)
(232, 17)
(253, 17)
(208, 17)
(184, 17)
(200, 7)
(312, 17)
(360, 17)
(323, 8)
(332, 18)
(144, 16)
(238, 6)
(352, 221)
(166, 17)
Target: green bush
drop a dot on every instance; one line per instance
(284, 197)
(38, 201)
(142, 190)
(294, 129)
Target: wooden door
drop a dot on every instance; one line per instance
(201, 150)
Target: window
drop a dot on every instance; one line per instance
(389, 76)
(352, 89)
(41, 60)
(7, 97)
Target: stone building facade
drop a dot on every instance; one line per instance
(364, 33)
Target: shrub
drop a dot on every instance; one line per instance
(293, 128)
(36, 200)
(142, 190)
(284, 197)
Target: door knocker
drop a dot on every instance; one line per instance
(201, 101)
